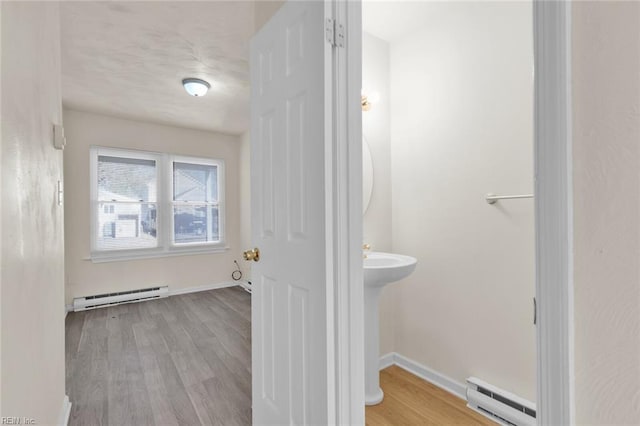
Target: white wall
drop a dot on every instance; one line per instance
(461, 126)
(376, 129)
(245, 202)
(32, 257)
(86, 278)
(1, 121)
(606, 150)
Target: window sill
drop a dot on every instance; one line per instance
(123, 257)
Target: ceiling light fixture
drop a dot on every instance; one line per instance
(196, 86)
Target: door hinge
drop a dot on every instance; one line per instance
(334, 33)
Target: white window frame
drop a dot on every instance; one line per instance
(164, 207)
(219, 164)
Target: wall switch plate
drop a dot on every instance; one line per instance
(59, 141)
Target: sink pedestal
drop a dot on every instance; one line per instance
(380, 269)
(372, 392)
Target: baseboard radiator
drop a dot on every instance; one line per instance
(499, 405)
(110, 299)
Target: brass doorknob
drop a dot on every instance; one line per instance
(252, 255)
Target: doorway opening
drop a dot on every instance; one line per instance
(448, 115)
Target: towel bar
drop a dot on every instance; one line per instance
(492, 198)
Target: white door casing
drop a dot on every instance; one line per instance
(553, 212)
(290, 131)
(554, 274)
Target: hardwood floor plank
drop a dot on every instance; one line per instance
(87, 383)
(191, 367)
(73, 324)
(186, 360)
(230, 319)
(394, 411)
(159, 362)
(231, 404)
(183, 409)
(412, 400)
(236, 299)
(159, 397)
(206, 408)
(223, 364)
(127, 392)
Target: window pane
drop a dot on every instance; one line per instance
(126, 179)
(126, 226)
(195, 182)
(195, 224)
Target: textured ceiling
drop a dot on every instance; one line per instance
(392, 20)
(128, 59)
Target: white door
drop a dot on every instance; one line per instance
(290, 63)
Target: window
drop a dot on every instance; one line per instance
(151, 204)
(195, 203)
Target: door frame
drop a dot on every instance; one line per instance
(553, 211)
(553, 214)
(346, 197)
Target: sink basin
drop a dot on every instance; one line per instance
(380, 269)
(385, 268)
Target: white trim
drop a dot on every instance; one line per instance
(165, 245)
(179, 291)
(553, 211)
(120, 255)
(387, 360)
(220, 203)
(65, 412)
(199, 288)
(244, 284)
(345, 206)
(430, 375)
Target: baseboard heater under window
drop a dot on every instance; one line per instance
(499, 405)
(110, 299)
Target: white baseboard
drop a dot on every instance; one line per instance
(245, 285)
(186, 290)
(452, 386)
(205, 287)
(387, 360)
(65, 412)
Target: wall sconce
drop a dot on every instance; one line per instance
(367, 100)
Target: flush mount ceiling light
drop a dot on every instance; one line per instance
(195, 86)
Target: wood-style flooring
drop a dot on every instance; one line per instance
(182, 360)
(409, 400)
(186, 360)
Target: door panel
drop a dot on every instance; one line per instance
(267, 325)
(289, 62)
(297, 209)
(266, 176)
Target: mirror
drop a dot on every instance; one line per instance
(367, 175)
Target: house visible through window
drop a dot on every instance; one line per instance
(146, 203)
(195, 203)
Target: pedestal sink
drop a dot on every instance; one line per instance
(380, 269)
